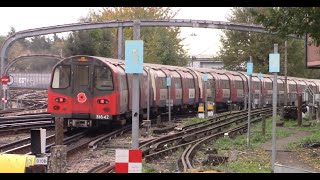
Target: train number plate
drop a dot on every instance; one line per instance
(103, 116)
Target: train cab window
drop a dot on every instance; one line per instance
(83, 75)
(103, 78)
(61, 77)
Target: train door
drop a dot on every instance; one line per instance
(82, 101)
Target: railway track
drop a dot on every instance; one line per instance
(23, 146)
(13, 124)
(186, 159)
(191, 137)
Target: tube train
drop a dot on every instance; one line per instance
(93, 91)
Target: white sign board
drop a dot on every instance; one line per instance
(274, 63)
(42, 160)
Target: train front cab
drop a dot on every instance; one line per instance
(83, 89)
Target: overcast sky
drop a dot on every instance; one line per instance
(205, 41)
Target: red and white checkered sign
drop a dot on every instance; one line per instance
(128, 161)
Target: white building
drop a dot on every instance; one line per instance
(205, 61)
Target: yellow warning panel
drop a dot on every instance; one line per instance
(200, 109)
(210, 107)
(15, 163)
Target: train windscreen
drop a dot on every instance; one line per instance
(61, 77)
(103, 78)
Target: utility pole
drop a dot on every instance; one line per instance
(274, 67)
(260, 85)
(285, 74)
(205, 78)
(148, 95)
(134, 65)
(119, 45)
(169, 96)
(249, 72)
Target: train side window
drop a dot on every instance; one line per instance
(103, 78)
(61, 77)
(225, 84)
(191, 83)
(177, 83)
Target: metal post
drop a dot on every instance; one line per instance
(260, 83)
(4, 96)
(274, 113)
(299, 109)
(120, 33)
(317, 112)
(169, 103)
(285, 74)
(135, 94)
(245, 102)
(249, 107)
(205, 100)
(59, 130)
(263, 124)
(148, 95)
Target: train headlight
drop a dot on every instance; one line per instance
(56, 107)
(102, 101)
(60, 99)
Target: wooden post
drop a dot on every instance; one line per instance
(59, 130)
(263, 124)
(58, 159)
(299, 109)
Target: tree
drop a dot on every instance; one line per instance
(97, 42)
(18, 48)
(291, 20)
(237, 47)
(161, 45)
(58, 45)
(40, 45)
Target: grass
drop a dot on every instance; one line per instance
(194, 120)
(256, 137)
(254, 160)
(147, 168)
(315, 137)
(258, 162)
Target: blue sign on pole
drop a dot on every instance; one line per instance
(168, 81)
(134, 56)
(274, 62)
(205, 77)
(249, 68)
(260, 76)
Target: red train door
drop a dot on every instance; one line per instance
(81, 92)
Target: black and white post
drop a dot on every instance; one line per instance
(274, 67)
(249, 72)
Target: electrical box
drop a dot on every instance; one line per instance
(38, 141)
